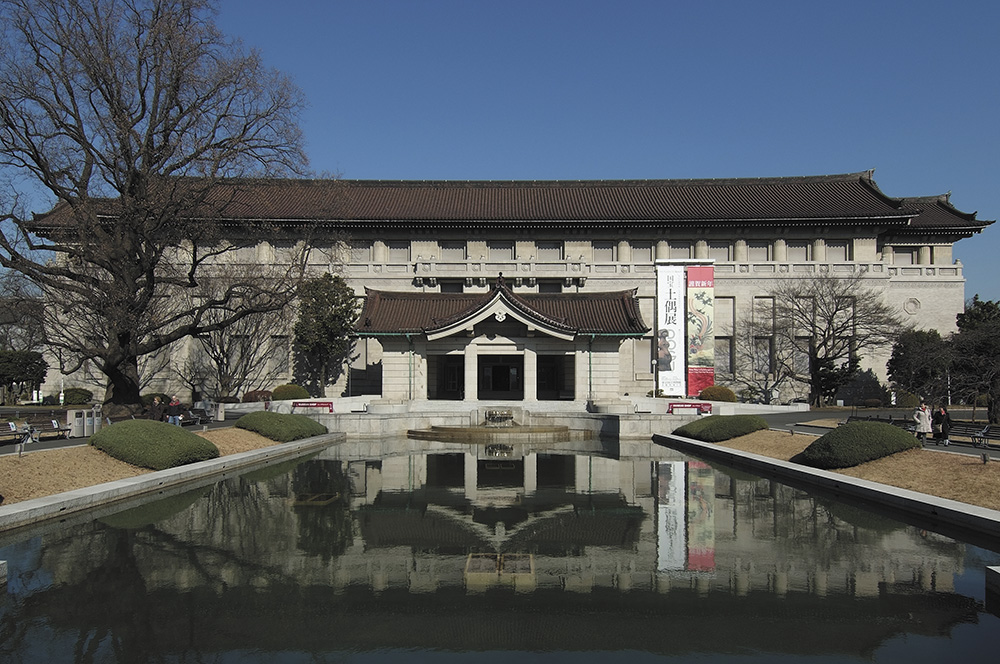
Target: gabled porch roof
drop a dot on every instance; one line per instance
(561, 315)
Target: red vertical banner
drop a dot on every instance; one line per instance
(700, 328)
(700, 517)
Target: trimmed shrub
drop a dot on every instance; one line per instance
(156, 511)
(289, 392)
(279, 426)
(150, 444)
(717, 393)
(257, 395)
(77, 396)
(227, 400)
(855, 443)
(716, 428)
(906, 399)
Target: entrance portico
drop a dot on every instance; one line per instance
(500, 345)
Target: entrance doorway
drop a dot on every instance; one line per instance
(556, 378)
(501, 377)
(446, 375)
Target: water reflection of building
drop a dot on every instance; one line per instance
(577, 545)
(638, 521)
(642, 518)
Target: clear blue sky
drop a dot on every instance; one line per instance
(587, 89)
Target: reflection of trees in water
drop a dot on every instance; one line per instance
(107, 579)
(324, 524)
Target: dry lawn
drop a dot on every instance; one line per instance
(44, 473)
(933, 470)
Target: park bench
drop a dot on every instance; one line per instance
(190, 418)
(42, 428)
(981, 435)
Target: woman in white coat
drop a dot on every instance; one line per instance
(922, 422)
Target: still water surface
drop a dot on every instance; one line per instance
(405, 551)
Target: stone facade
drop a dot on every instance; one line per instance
(594, 237)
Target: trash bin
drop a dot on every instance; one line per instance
(98, 419)
(88, 426)
(75, 422)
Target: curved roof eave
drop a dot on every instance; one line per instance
(501, 300)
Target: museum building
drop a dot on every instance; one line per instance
(558, 290)
(524, 290)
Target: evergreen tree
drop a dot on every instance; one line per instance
(323, 343)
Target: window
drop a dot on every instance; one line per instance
(642, 252)
(549, 250)
(799, 251)
(680, 250)
(281, 351)
(500, 250)
(758, 251)
(904, 256)
(838, 251)
(452, 287)
(604, 251)
(452, 251)
(724, 355)
(550, 287)
(719, 251)
(399, 251)
(361, 252)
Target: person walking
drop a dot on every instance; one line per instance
(156, 409)
(174, 411)
(941, 422)
(922, 422)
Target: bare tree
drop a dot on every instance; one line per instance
(20, 314)
(831, 322)
(762, 362)
(252, 354)
(127, 113)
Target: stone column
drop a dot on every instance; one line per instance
(624, 252)
(379, 252)
(701, 250)
(740, 253)
(924, 255)
(530, 374)
(662, 250)
(530, 473)
(819, 250)
(471, 372)
(780, 250)
(471, 476)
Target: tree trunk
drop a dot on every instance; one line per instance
(123, 383)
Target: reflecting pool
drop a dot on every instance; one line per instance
(402, 551)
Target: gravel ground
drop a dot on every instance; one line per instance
(43, 473)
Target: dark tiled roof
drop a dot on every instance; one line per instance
(841, 197)
(850, 198)
(388, 312)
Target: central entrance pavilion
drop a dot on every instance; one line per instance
(501, 345)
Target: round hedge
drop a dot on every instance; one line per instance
(716, 428)
(151, 444)
(289, 392)
(718, 393)
(281, 427)
(856, 443)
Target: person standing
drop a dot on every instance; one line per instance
(922, 422)
(156, 409)
(941, 422)
(174, 411)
